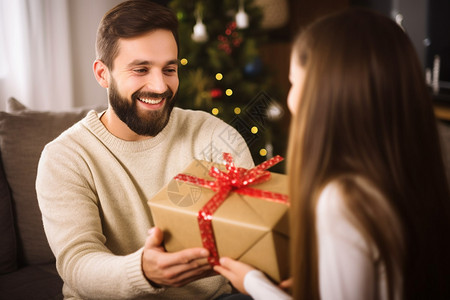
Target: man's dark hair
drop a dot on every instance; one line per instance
(130, 19)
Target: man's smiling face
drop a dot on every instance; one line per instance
(144, 81)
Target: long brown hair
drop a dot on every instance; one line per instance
(130, 19)
(365, 112)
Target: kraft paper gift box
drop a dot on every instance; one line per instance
(250, 229)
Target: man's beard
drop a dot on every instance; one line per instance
(148, 123)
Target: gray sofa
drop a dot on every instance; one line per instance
(27, 265)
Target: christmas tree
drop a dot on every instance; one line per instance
(221, 71)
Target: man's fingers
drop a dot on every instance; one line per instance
(180, 275)
(191, 254)
(192, 257)
(154, 238)
(190, 275)
(173, 269)
(194, 266)
(188, 279)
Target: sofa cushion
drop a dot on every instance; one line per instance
(39, 282)
(23, 135)
(14, 105)
(8, 250)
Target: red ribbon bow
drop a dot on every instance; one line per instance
(236, 180)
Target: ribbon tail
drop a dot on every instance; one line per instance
(195, 180)
(269, 163)
(266, 195)
(204, 218)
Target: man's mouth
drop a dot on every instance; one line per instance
(151, 101)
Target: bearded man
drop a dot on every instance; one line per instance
(95, 179)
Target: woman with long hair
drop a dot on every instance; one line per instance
(370, 203)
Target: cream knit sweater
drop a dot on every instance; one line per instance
(93, 189)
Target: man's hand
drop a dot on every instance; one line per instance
(172, 269)
(234, 271)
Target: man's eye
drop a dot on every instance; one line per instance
(140, 71)
(171, 70)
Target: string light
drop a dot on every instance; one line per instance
(215, 111)
(184, 61)
(237, 110)
(263, 152)
(229, 92)
(254, 130)
(219, 76)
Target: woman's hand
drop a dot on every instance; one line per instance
(234, 271)
(286, 285)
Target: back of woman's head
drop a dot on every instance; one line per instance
(365, 110)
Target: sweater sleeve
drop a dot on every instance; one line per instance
(70, 212)
(346, 269)
(261, 288)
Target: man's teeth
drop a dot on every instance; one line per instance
(150, 101)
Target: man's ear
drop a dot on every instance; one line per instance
(101, 73)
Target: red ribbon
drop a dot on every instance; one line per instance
(236, 180)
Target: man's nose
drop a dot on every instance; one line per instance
(156, 82)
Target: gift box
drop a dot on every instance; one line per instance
(250, 224)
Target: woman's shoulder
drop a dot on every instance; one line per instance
(335, 213)
(331, 204)
(353, 203)
(338, 192)
(348, 188)
(354, 197)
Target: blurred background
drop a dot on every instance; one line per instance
(234, 55)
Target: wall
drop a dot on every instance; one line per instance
(414, 14)
(276, 53)
(414, 18)
(85, 15)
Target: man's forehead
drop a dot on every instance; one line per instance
(143, 62)
(156, 47)
(158, 36)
